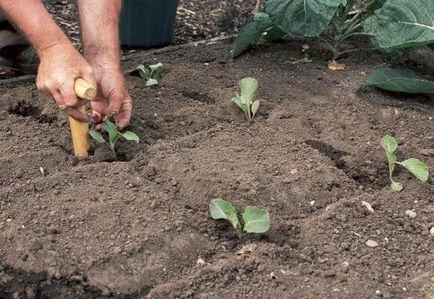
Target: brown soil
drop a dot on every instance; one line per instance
(137, 227)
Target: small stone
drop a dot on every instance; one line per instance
(411, 213)
(368, 206)
(371, 243)
(431, 231)
(200, 262)
(294, 171)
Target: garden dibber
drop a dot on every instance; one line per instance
(80, 130)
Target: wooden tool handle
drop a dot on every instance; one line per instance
(80, 130)
(84, 90)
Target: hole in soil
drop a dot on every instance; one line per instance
(25, 109)
(365, 175)
(24, 284)
(197, 96)
(329, 151)
(386, 98)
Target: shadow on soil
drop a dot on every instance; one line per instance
(24, 109)
(359, 173)
(22, 284)
(379, 97)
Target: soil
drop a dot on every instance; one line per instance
(139, 227)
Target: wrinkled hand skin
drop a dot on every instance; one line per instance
(60, 65)
(113, 99)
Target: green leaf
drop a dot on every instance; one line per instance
(396, 186)
(402, 24)
(389, 144)
(248, 86)
(144, 72)
(221, 209)
(251, 32)
(151, 82)
(256, 220)
(156, 68)
(431, 46)
(97, 136)
(302, 17)
(112, 130)
(417, 168)
(255, 107)
(131, 136)
(400, 81)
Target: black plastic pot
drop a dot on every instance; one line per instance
(147, 23)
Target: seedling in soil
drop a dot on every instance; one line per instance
(254, 220)
(415, 166)
(246, 101)
(113, 136)
(149, 73)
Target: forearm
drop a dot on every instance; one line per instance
(35, 22)
(100, 32)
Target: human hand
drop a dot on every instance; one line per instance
(113, 98)
(60, 65)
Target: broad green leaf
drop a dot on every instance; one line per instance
(431, 46)
(396, 186)
(256, 220)
(302, 17)
(248, 86)
(131, 136)
(111, 129)
(144, 72)
(391, 160)
(151, 82)
(255, 107)
(402, 23)
(97, 136)
(221, 209)
(274, 33)
(251, 32)
(400, 81)
(156, 68)
(417, 168)
(237, 101)
(389, 144)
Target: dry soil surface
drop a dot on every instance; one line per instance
(140, 227)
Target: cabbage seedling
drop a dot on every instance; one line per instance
(254, 220)
(246, 101)
(414, 166)
(114, 135)
(148, 73)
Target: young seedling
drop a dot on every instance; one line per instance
(148, 73)
(414, 166)
(246, 101)
(254, 220)
(114, 135)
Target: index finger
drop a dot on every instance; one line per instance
(124, 116)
